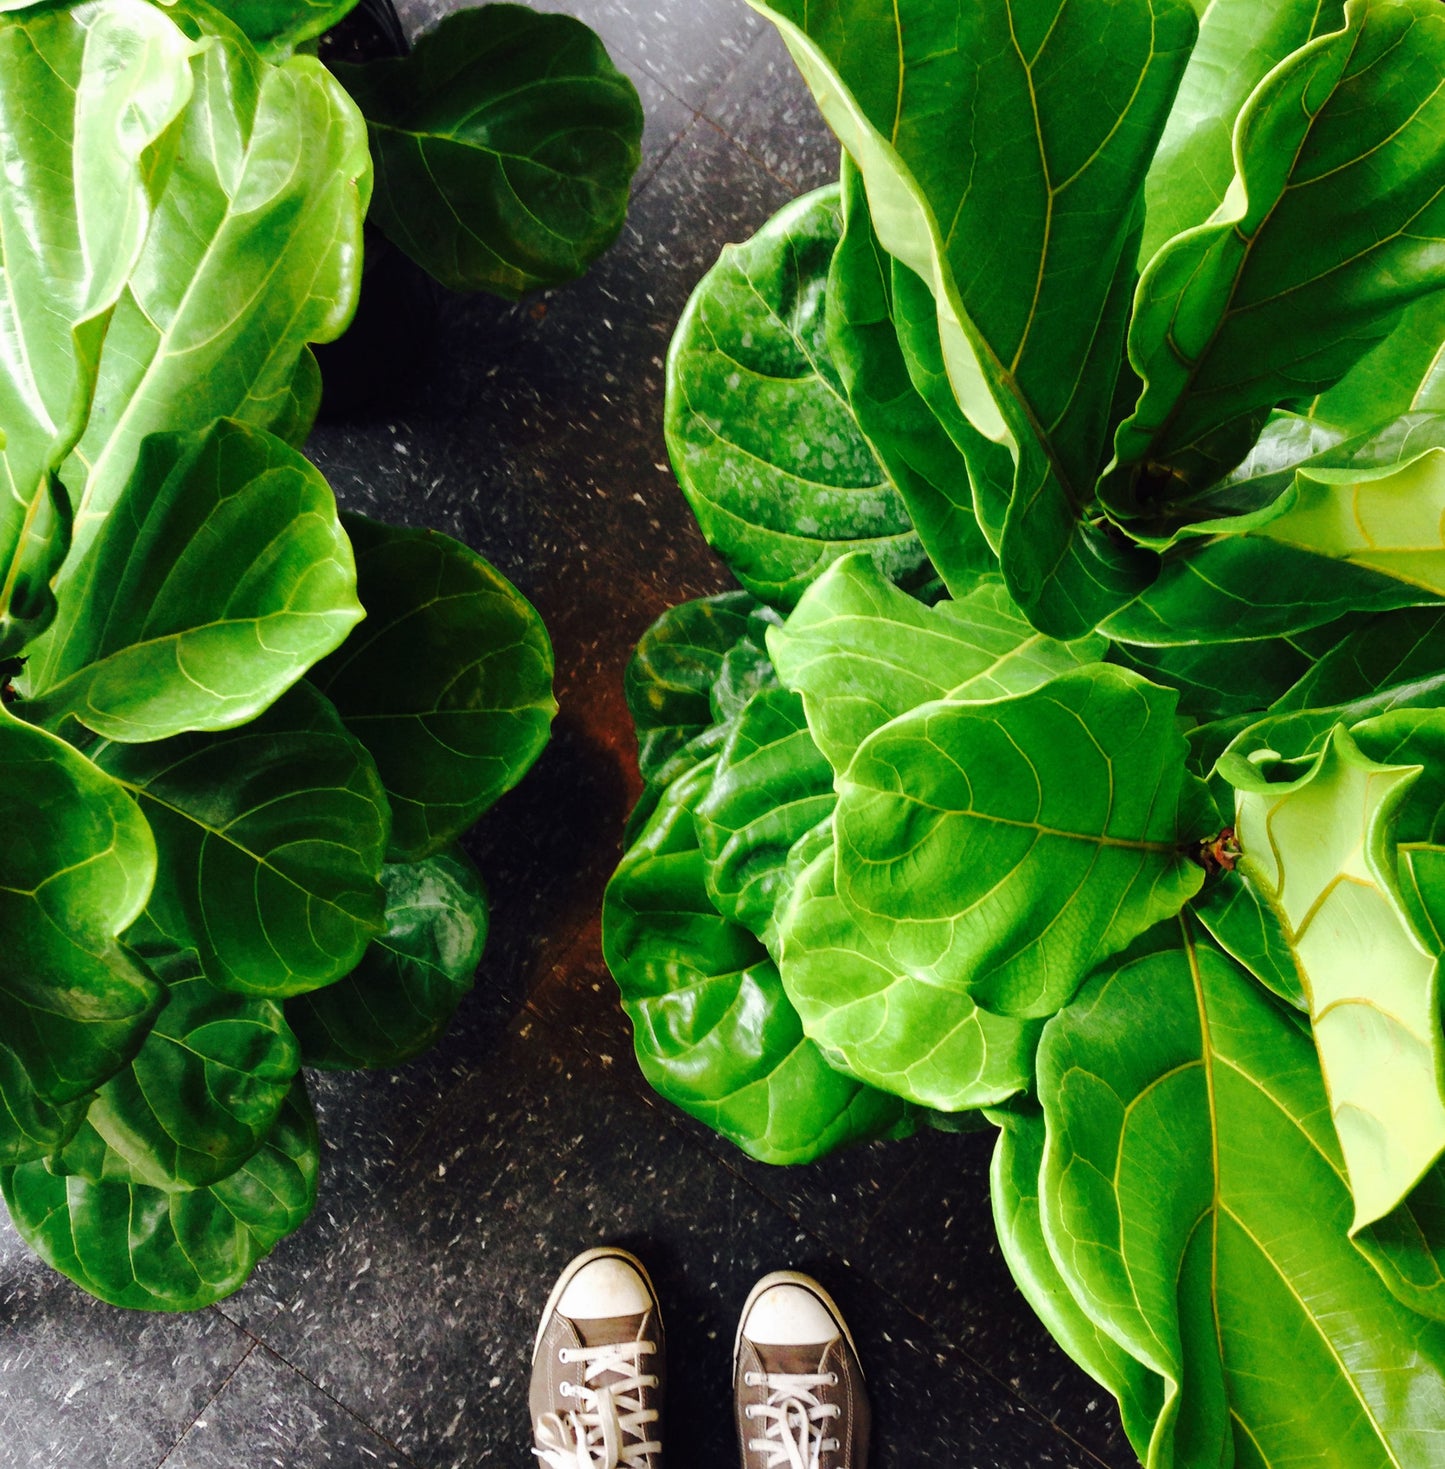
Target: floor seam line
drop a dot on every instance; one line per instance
(225, 1383)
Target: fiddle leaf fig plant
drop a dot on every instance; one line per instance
(240, 734)
(1122, 829)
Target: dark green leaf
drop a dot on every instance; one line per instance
(911, 443)
(1194, 1200)
(277, 27)
(919, 1039)
(220, 577)
(400, 998)
(1004, 152)
(76, 868)
(1242, 922)
(504, 144)
(153, 1250)
(201, 1096)
(1003, 849)
(1330, 230)
(89, 98)
(271, 839)
(714, 1031)
(861, 653)
(448, 682)
(759, 427)
(770, 785)
(678, 663)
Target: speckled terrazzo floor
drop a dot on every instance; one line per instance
(395, 1329)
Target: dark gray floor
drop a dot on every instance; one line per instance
(394, 1330)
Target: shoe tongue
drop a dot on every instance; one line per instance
(794, 1361)
(600, 1331)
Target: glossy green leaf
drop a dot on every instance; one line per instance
(254, 251)
(220, 577)
(76, 868)
(1393, 656)
(154, 1250)
(1003, 849)
(919, 1039)
(448, 682)
(769, 786)
(271, 839)
(1329, 231)
(277, 27)
(912, 445)
(713, 1030)
(1335, 541)
(505, 145)
(86, 113)
(861, 653)
(401, 997)
(1404, 374)
(1194, 1200)
(1014, 1189)
(1240, 42)
(201, 1095)
(1004, 152)
(1407, 1247)
(1241, 921)
(1319, 850)
(678, 665)
(759, 427)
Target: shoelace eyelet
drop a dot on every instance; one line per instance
(832, 1379)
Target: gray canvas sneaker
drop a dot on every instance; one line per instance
(598, 1367)
(797, 1385)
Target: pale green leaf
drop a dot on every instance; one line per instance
(1319, 850)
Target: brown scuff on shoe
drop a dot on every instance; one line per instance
(798, 1388)
(598, 1373)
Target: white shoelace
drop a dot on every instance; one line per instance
(794, 1418)
(593, 1436)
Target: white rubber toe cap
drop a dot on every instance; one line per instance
(604, 1287)
(789, 1316)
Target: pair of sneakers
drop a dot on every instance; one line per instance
(599, 1373)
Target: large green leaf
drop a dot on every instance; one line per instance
(1002, 849)
(713, 1030)
(271, 839)
(505, 144)
(220, 577)
(1320, 850)
(1194, 1200)
(770, 785)
(76, 868)
(90, 96)
(1335, 541)
(254, 251)
(448, 682)
(1004, 151)
(861, 653)
(201, 1095)
(1330, 230)
(759, 426)
(921, 1040)
(1404, 374)
(911, 443)
(277, 27)
(154, 1250)
(1242, 922)
(1014, 1189)
(1240, 42)
(680, 664)
(400, 998)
